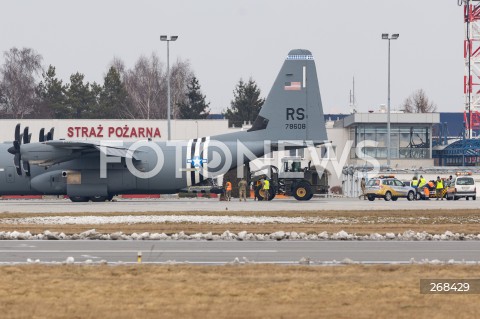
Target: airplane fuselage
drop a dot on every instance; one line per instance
(160, 168)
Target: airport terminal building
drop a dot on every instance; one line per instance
(410, 138)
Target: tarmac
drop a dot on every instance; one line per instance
(201, 204)
(221, 252)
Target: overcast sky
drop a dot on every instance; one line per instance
(228, 40)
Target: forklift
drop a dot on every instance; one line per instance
(291, 180)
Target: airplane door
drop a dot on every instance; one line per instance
(10, 174)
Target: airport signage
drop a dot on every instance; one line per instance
(125, 131)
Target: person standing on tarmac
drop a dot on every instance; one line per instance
(242, 189)
(228, 188)
(422, 182)
(415, 182)
(439, 188)
(266, 188)
(363, 187)
(449, 181)
(257, 184)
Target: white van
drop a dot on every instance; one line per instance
(462, 186)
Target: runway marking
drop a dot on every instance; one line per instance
(136, 251)
(294, 263)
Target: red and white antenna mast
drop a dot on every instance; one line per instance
(472, 63)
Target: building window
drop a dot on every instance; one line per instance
(405, 141)
(301, 152)
(297, 152)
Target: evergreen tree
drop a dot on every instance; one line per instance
(81, 100)
(246, 103)
(51, 93)
(113, 98)
(194, 106)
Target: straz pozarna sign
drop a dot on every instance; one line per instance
(112, 132)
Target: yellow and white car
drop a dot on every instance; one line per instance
(388, 188)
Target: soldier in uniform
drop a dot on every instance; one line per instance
(363, 187)
(242, 189)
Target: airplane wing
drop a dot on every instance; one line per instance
(109, 150)
(58, 151)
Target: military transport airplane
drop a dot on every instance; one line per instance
(99, 170)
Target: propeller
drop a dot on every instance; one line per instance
(26, 139)
(16, 161)
(50, 134)
(15, 149)
(26, 136)
(26, 168)
(41, 135)
(17, 132)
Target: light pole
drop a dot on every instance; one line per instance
(165, 38)
(386, 36)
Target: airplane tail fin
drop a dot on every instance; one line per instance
(293, 108)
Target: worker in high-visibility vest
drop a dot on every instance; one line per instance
(421, 182)
(414, 183)
(422, 185)
(426, 192)
(439, 188)
(228, 188)
(266, 188)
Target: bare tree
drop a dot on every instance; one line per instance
(418, 102)
(119, 65)
(180, 75)
(146, 87)
(17, 82)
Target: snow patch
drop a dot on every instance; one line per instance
(92, 234)
(155, 219)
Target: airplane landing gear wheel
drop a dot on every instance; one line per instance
(302, 191)
(79, 199)
(98, 199)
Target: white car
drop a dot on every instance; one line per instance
(462, 186)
